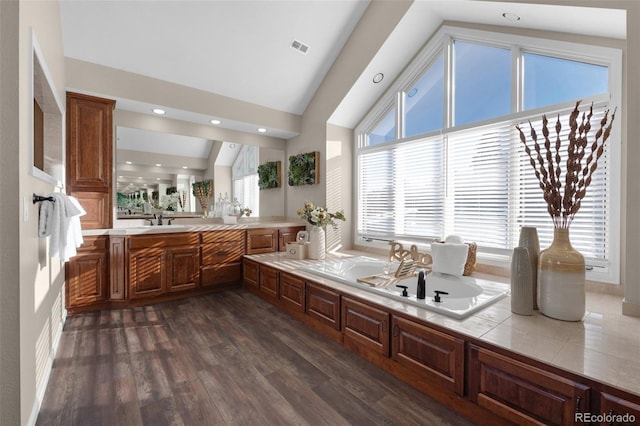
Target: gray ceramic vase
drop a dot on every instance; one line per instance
(521, 285)
(529, 239)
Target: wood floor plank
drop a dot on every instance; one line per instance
(218, 360)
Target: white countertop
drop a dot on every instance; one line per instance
(137, 226)
(604, 346)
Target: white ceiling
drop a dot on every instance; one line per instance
(241, 48)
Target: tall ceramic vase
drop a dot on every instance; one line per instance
(316, 243)
(561, 279)
(529, 239)
(521, 284)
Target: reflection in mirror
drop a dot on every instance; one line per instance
(156, 172)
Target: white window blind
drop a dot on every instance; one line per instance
(476, 183)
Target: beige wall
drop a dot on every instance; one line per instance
(272, 200)
(9, 216)
(41, 278)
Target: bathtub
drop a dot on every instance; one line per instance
(467, 295)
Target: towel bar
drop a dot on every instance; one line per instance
(39, 198)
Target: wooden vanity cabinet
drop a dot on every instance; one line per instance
(323, 305)
(269, 240)
(620, 411)
(263, 240)
(288, 235)
(269, 285)
(89, 157)
(222, 253)
(365, 328)
(427, 354)
(522, 393)
(162, 263)
(250, 275)
(87, 273)
(291, 293)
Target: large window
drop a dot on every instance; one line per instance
(244, 174)
(469, 175)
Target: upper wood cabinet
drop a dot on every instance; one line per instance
(264, 240)
(90, 156)
(89, 142)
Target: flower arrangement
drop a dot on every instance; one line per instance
(319, 216)
(564, 198)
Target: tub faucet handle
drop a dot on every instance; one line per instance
(404, 290)
(436, 298)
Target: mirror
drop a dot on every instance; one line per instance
(155, 173)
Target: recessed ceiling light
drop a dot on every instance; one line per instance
(157, 178)
(184, 167)
(128, 162)
(412, 92)
(378, 78)
(232, 145)
(158, 165)
(215, 121)
(139, 177)
(158, 111)
(262, 129)
(511, 17)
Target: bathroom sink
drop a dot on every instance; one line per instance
(160, 226)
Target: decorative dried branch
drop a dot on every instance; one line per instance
(564, 203)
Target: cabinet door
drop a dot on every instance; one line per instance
(365, 327)
(262, 240)
(323, 305)
(250, 274)
(183, 268)
(87, 278)
(147, 273)
(434, 356)
(269, 281)
(98, 208)
(117, 270)
(522, 393)
(618, 411)
(291, 292)
(89, 142)
(287, 235)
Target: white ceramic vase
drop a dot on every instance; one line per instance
(561, 279)
(529, 239)
(521, 285)
(316, 243)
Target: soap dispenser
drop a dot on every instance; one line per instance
(421, 288)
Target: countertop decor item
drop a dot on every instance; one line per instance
(521, 285)
(529, 239)
(202, 191)
(318, 218)
(561, 269)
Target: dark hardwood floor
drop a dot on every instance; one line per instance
(223, 359)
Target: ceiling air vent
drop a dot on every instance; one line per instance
(300, 46)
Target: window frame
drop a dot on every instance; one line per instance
(442, 42)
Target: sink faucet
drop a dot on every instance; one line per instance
(159, 220)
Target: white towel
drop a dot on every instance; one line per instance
(74, 233)
(449, 258)
(55, 221)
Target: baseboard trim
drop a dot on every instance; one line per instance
(35, 410)
(630, 309)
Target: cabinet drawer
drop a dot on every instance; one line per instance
(163, 240)
(227, 252)
(365, 327)
(291, 292)
(287, 235)
(323, 305)
(436, 357)
(230, 273)
(93, 243)
(269, 281)
(262, 240)
(522, 393)
(223, 236)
